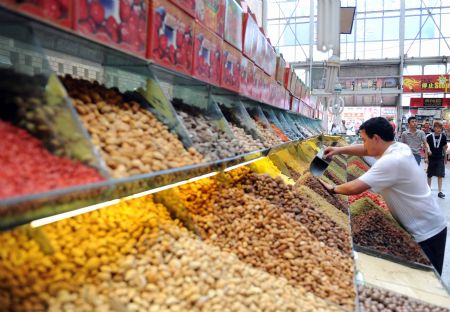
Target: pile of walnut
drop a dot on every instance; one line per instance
(132, 141)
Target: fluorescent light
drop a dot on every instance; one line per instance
(70, 214)
(73, 213)
(243, 164)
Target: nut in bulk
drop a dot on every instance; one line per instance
(246, 141)
(237, 285)
(76, 261)
(121, 129)
(322, 270)
(211, 142)
(292, 202)
(270, 139)
(377, 299)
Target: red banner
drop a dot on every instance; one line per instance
(426, 83)
(438, 102)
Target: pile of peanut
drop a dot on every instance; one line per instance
(268, 237)
(132, 141)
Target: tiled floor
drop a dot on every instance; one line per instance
(445, 204)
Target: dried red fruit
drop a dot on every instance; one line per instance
(27, 167)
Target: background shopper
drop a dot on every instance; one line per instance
(415, 139)
(436, 159)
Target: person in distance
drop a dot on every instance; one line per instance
(403, 185)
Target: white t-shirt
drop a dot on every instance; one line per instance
(403, 185)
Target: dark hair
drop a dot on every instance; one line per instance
(379, 126)
(411, 118)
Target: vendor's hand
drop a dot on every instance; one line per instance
(329, 187)
(330, 152)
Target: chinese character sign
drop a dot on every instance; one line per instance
(426, 83)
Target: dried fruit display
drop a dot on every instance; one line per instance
(131, 139)
(210, 141)
(314, 184)
(270, 138)
(373, 230)
(279, 132)
(375, 299)
(28, 168)
(120, 23)
(246, 141)
(367, 203)
(294, 203)
(376, 198)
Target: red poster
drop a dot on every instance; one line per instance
(426, 83)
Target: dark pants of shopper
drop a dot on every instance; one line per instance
(418, 158)
(434, 248)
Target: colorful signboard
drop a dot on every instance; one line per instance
(426, 83)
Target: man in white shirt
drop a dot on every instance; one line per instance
(415, 139)
(403, 185)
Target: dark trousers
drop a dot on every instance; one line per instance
(434, 248)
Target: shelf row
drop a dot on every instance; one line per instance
(66, 135)
(256, 237)
(174, 35)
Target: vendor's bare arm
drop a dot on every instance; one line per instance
(355, 150)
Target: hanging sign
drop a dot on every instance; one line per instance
(437, 102)
(426, 83)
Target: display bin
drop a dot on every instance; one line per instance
(293, 124)
(272, 117)
(284, 115)
(233, 24)
(235, 112)
(292, 134)
(48, 150)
